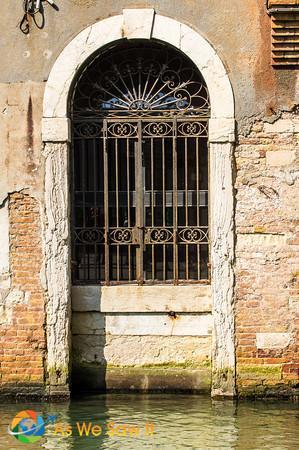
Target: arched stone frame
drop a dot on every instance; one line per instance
(138, 24)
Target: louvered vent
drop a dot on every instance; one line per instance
(285, 32)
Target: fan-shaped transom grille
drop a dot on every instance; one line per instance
(141, 80)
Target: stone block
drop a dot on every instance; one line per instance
(294, 304)
(280, 158)
(272, 340)
(154, 379)
(88, 323)
(283, 3)
(159, 324)
(167, 29)
(280, 126)
(221, 130)
(133, 298)
(86, 298)
(56, 129)
(254, 241)
(156, 299)
(126, 350)
(131, 324)
(138, 23)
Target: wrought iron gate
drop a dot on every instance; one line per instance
(140, 200)
(140, 170)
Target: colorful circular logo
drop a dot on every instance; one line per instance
(27, 426)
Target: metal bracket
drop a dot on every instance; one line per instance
(137, 235)
(33, 9)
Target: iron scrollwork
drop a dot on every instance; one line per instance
(157, 129)
(90, 236)
(193, 235)
(158, 235)
(122, 129)
(146, 80)
(193, 129)
(88, 129)
(121, 236)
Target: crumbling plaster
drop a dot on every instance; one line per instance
(20, 135)
(21, 162)
(21, 170)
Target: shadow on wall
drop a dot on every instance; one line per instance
(89, 365)
(126, 337)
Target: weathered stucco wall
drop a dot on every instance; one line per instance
(239, 32)
(21, 161)
(266, 266)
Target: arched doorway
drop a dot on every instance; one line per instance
(56, 137)
(140, 168)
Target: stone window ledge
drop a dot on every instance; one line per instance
(133, 298)
(273, 3)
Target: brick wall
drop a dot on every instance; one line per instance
(22, 339)
(267, 257)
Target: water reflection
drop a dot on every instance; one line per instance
(180, 421)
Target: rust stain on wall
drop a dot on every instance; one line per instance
(30, 124)
(265, 80)
(31, 166)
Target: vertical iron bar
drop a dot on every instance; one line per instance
(164, 208)
(197, 204)
(86, 161)
(117, 205)
(95, 211)
(186, 205)
(83, 154)
(133, 85)
(128, 207)
(175, 203)
(85, 262)
(152, 204)
(106, 201)
(139, 84)
(88, 263)
(73, 154)
(85, 259)
(208, 186)
(139, 203)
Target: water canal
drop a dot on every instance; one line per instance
(162, 421)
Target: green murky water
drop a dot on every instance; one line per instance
(129, 421)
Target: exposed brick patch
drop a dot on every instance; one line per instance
(267, 253)
(22, 341)
(290, 371)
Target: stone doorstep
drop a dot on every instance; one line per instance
(22, 391)
(147, 379)
(271, 390)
